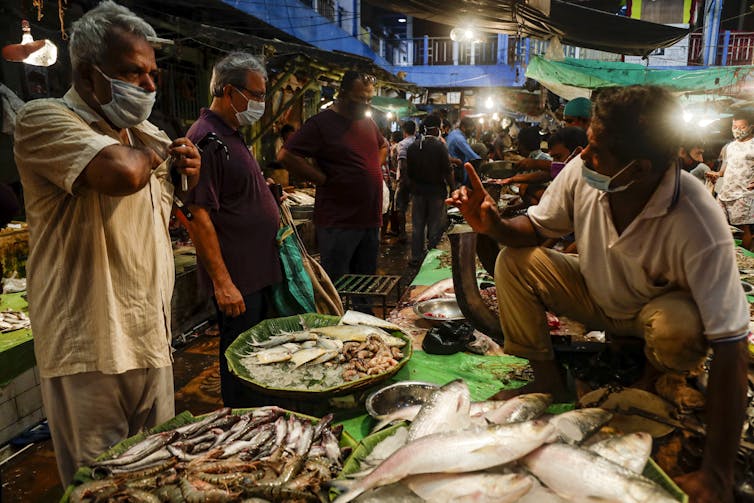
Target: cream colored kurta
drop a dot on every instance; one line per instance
(689, 248)
(100, 268)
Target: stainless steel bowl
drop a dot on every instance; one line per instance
(399, 395)
(439, 309)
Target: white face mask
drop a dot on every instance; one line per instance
(129, 106)
(602, 182)
(254, 111)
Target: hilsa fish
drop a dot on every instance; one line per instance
(576, 473)
(454, 452)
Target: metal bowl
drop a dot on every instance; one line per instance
(399, 395)
(446, 309)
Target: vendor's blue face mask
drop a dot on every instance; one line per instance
(602, 182)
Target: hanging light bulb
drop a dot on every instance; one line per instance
(389, 115)
(368, 113)
(489, 103)
(30, 51)
(687, 115)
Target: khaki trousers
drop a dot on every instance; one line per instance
(90, 412)
(531, 281)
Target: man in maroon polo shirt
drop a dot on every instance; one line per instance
(349, 149)
(236, 217)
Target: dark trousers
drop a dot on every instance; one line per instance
(236, 394)
(428, 218)
(349, 251)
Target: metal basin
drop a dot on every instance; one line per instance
(396, 396)
(444, 309)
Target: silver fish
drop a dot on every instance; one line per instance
(519, 408)
(579, 474)
(359, 318)
(141, 450)
(402, 414)
(446, 410)
(454, 452)
(470, 487)
(305, 356)
(284, 337)
(631, 451)
(358, 333)
(576, 425)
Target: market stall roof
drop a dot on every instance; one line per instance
(577, 77)
(574, 24)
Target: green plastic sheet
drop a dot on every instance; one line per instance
(593, 74)
(431, 271)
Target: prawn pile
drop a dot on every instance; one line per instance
(224, 457)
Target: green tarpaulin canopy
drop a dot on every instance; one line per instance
(399, 106)
(577, 77)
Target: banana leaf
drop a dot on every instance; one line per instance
(242, 347)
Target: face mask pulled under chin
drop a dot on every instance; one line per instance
(602, 182)
(129, 106)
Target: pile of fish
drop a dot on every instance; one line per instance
(224, 457)
(13, 320)
(502, 451)
(356, 348)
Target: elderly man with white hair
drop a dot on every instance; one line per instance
(96, 179)
(236, 218)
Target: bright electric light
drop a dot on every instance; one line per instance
(495, 116)
(368, 113)
(326, 105)
(481, 120)
(687, 116)
(489, 103)
(389, 115)
(706, 121)
(45, 55)
(401, 19)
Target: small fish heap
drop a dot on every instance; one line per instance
(224, 457)
(501, 451)
(346, 352)
(13, 320)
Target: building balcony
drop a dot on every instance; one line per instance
(734, 48)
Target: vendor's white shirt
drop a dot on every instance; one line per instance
(739, 170)
(100, 267)
(687, 248)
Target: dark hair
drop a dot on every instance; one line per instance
(396, 136)
(529, 138)
(286, 129)
(569, 137)
(351, 77)
(409, 127)
(743, 115)
(431, 121)
(467, 123)
(638, 122)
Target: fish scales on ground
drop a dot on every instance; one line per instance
(261, 454)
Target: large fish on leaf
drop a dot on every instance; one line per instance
(446, 410)
(454, 452)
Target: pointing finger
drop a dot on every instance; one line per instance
(476, 183)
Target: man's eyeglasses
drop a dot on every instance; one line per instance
(256, 95)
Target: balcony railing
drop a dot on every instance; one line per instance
(733, 48)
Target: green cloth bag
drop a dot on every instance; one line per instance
(295, 293)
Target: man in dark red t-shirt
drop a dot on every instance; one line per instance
(348, 149)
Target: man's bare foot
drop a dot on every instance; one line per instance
(549, 377)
